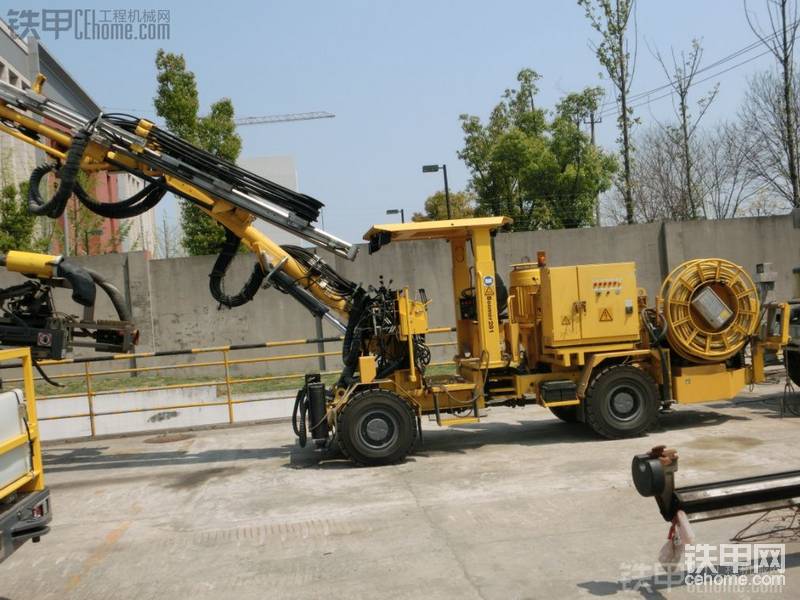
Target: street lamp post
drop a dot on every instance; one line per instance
(435, 169)
(397, 211)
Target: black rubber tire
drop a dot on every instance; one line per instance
(568, 414)
(374, 413)
(791, 357)
(621, 402)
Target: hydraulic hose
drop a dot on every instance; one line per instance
(140, 202)
(217, 276)
(68, 174)
(113, 293)
(351, 345)
(300, 409)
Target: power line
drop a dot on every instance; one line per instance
(604, 108)
(615, 110)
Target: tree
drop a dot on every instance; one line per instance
(762, 131)
(177, 102)
(723, 185)
(610, 18)
(681, 77)
(19, 229)
(17, 225)
(583, 108)
(659, 179)
(780, 42)
(167, 245)
(729, 186)
(462, 205)
(544, 173)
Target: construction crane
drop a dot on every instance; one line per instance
(304, 116)
(580, 340)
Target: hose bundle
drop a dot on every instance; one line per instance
(214, 167)
(54, 207)
(215, 280)
(138, 203)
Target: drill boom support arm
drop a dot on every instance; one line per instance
(228, 194)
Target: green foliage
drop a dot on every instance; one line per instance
(462, 206)
(176, 99)
(542, 171)
(17, 225)
(177, 102)
(216, 131)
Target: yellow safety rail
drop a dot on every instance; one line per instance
(225, 361)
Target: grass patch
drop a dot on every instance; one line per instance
(128, 383)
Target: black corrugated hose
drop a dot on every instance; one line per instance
(54, 207)
(138, 203)
(215, 280)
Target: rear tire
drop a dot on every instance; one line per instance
(377, 427)
(568, 414)
(622, 401)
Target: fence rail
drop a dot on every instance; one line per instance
(226, 361)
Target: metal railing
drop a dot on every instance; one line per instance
(227, 382)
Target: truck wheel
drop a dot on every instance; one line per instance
(377, 427)
(568, 414)
(792, 360)
(622, 401)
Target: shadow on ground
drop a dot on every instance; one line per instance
(95, 458)
(653, 587)
(435, 440)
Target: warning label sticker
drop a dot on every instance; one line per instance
(605, 315)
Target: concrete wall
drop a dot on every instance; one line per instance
(172, 306)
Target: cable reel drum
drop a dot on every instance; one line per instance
(711, 309)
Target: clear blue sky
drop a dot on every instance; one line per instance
(396, 74)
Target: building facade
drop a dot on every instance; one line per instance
(20, 62)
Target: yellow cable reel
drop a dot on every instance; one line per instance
(711, 309)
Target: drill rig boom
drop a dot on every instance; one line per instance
(229, 194)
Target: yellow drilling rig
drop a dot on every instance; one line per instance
(580, 340)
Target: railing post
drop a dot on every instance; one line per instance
(89, 396)
(321, 345)
(228, 385)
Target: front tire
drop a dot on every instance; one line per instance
(621, 402)
(377, 427)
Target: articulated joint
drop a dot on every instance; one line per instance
(273, 270)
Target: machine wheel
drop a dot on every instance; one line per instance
(791, 358)
(622, 401)
(568, 414)
(377, 427)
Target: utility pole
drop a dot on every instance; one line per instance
(594, 120)
(446, 192)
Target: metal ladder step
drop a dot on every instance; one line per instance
(458, 421)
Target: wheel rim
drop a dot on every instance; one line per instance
(378, 429)
(625, 403)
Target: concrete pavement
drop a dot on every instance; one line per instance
(518, 506)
